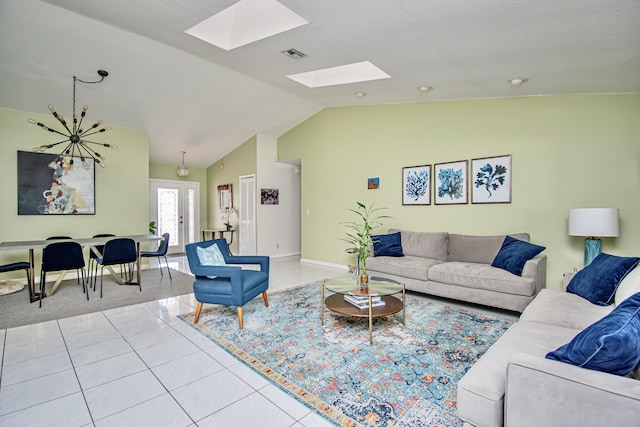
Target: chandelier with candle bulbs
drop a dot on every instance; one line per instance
(75, 137)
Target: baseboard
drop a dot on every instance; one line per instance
(322, 263)
(293, 254)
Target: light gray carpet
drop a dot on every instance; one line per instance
(68, 301)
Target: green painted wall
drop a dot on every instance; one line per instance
(122, 188)
(568, 152)
(159, 171)
(241, 161)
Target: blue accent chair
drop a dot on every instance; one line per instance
(161, 252)
(228, 285)
(62, 256)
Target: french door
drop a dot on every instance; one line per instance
(247, 213)
(175, 207)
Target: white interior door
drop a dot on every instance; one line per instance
(247, 215)
(175, 207)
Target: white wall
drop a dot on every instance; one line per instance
(278, 230)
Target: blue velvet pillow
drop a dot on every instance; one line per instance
(514, 254)
(612, 344)
(598, 281)
(387, 245)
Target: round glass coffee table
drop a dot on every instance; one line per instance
(369, 299)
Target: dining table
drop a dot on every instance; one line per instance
(91, 242)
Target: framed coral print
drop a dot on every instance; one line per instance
(416, 185)
(492, 180)
(451, 183)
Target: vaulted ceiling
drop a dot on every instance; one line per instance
(192, 96)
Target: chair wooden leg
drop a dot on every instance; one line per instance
(198, 310)
(266, 300)
(240, 316)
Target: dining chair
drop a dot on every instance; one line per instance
(121, 251)
(15, 266)
(93, 266)
(219, 279)
(161, 252)
(64, 238)
(61, 256)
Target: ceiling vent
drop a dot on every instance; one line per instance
(294, 54)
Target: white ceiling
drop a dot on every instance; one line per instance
(192, 96)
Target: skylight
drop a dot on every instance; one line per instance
(343, 74)
(245, 22)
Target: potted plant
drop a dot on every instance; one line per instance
(359, 234)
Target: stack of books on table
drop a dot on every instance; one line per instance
(362, 301)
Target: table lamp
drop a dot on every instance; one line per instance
(593, 223)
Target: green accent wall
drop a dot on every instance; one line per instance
(241, 161)
(122, 188)
(567, 152)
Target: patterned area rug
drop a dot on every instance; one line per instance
(408, 377)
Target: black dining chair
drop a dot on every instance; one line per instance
(161, 252)
(121, 251)
(93, 266)
(15, 266)
(64, 238)
(62, 256)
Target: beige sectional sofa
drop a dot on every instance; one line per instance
(513, 384)
(458, 266)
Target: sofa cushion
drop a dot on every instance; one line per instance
(565, 309)
(480, 249)
(598, 281)
(424, 244)
(387, 245)
(629, 286)
(406, 266)
(481, 276)
(481, 390)
(514, 253)
(610, 345)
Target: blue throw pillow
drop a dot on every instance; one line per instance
(210, 256)
(514, 254)
(387, 245)
(598, 281)
(612, 344)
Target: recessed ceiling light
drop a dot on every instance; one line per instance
(424, 88)
(518, 81)
(361, 94)
(343, 74)
(245, 22)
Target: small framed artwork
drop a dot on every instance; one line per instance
(451, 183)
(373, 183)
(269, 196)
(416, 185)
(492, 180)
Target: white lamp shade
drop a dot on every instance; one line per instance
(594, 222)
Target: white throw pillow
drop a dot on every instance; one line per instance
(210, 256)
(629, 286)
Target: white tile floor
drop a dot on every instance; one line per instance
(141, 366)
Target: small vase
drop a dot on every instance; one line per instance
(364, 281)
